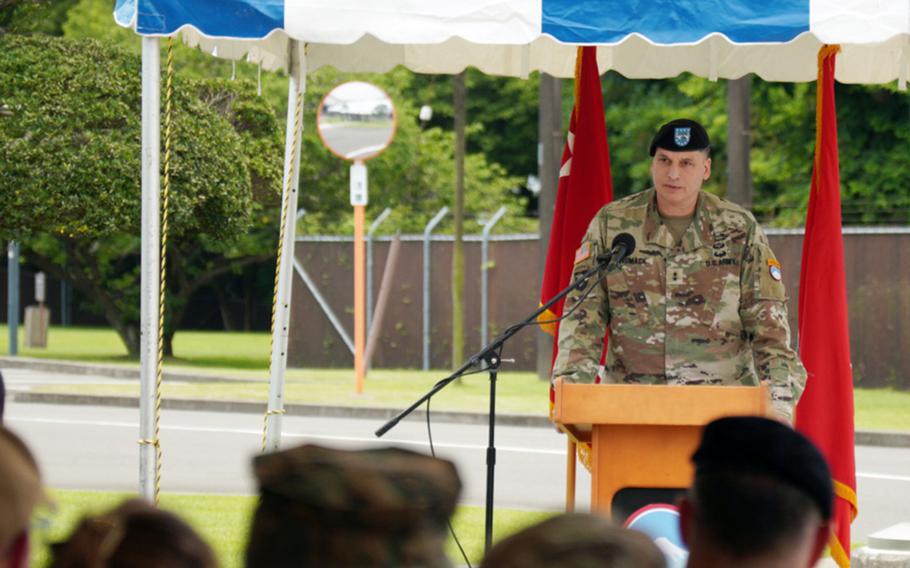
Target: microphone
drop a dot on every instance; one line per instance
(622, 246)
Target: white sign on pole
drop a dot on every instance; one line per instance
(358, 183)
(40, 287)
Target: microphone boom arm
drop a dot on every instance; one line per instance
(622, 246)
(491, 350)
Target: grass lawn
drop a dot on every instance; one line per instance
(882, 409)
(204, 352)
(193, 349)
(223, 521)
(515, 392)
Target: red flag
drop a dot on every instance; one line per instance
(584, 185)
(825, 411)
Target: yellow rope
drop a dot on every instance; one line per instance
(285, 205)
(265, 423)
(847, 493)
(165, 205)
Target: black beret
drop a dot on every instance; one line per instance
(681, 135)
(754, 445)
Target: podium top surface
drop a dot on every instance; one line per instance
(659, 405)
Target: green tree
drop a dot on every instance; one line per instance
(413, 176)
(501, 111)
(93, 19)
(24, 16)
(502, 114)
(871, 127)
(873, 142)
(69, 150)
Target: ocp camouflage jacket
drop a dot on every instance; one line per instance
(710, 310)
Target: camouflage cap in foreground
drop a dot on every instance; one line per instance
(575, 540)
(370, 508)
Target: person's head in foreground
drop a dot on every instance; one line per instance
(20, 493)
(379, 508)
(2, 397)
(133, 535)
(762, 497)
(575, 540)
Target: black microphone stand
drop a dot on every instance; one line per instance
(491, 357)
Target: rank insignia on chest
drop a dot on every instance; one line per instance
(583, 252)
(774, 269)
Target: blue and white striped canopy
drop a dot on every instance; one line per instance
(776, 39)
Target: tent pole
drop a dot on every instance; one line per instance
(293, 132)
(151, 236)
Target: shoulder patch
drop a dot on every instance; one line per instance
(774, 269)
(583, 252)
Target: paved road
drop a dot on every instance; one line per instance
(95, 448)
(88, 447)
(355, 139)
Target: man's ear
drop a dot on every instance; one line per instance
(686, 513)
(707, 169)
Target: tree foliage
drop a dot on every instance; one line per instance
(26, 16)
(501, 114)
(70, 150)
(871, 126)
(415, 176)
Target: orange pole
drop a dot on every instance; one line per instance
(570, 476)
(360, 298)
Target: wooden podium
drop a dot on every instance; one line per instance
(644, 435)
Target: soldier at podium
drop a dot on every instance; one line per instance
(699, 302)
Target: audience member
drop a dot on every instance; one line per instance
(133, 535)
(379, 508)
(2, 397)
(762, 497)
(20, 492)
(575, 540)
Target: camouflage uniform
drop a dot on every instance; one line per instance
(381, 508)
(710, 311)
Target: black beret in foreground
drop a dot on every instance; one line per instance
(680, 135)
(754, 445)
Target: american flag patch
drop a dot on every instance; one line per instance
(583, 252)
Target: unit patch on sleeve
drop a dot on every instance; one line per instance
(774, 269)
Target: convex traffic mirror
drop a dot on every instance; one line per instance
(356, 121)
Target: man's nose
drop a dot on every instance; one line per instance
(673, 172)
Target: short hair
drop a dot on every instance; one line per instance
(746, 515)
(575, 540)
(133, 535)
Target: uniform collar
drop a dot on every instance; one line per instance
(697, 235)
